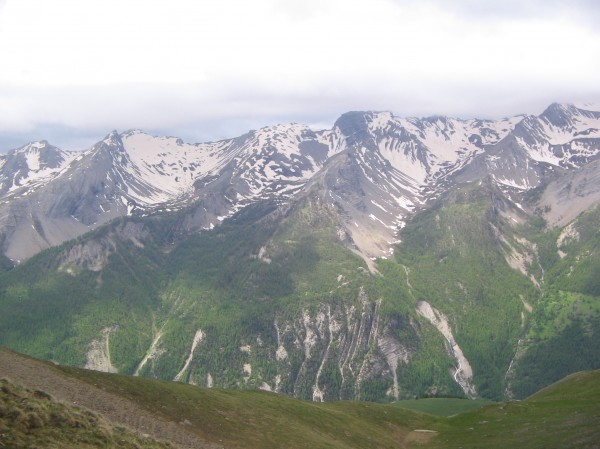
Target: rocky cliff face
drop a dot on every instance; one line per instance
(335, 351)
(375, 167)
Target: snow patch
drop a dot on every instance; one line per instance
(167, 168)
(37, 174)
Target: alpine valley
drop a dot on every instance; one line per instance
(386, 258)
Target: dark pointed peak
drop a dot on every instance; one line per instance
(555, 108)
(110, 143)
(113, 138)
(436, 118)
(351, 122)
(34, 145)
(559, 114)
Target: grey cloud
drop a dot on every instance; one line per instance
(75, 118)
(62, 136)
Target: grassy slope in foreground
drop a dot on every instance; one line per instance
(256, 419)
(200, 417)
(563, 415)
(33, 419)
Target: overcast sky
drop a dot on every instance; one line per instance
(73, 70)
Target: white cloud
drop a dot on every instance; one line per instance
(181, 64)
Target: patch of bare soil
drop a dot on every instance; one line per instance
(418, 437)
(36, 375)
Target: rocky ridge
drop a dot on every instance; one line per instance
(375, 167)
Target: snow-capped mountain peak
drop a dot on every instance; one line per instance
(560, 136)
(26, 168)
(167, 166)
(376, 169)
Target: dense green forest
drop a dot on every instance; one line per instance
(273, 299)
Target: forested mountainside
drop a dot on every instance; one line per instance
(386, 258)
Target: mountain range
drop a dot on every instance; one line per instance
(385, 258)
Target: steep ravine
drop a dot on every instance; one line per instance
(463, 373)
